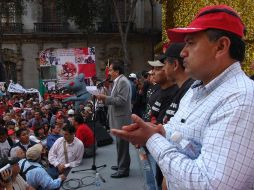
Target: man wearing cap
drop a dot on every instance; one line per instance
(174, 69)
(165, 95)
(168, 89)
(35, 174)
(132, 78)
(216, 111)
(70, 117)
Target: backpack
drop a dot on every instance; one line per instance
(22, 172)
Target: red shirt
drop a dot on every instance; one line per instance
(85, 134)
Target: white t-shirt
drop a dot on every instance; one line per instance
(4, 149)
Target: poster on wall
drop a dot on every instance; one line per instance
(69, 62)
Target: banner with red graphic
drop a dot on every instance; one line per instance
(69, 62)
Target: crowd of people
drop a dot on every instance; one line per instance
(42, 141)
(191, 117)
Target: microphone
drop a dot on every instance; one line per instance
(101, 83)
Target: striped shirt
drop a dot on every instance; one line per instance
(218, 115)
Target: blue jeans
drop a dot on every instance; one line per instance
(153, 164)
(149, 167)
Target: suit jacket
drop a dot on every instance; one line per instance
(119, 103)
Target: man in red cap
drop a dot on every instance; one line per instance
(215, 112)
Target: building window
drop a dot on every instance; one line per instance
(8, 12)
(123, 7)
(51, 13)
(9, 69)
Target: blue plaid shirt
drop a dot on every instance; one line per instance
(219, 116)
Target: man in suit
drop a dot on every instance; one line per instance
(119, 111)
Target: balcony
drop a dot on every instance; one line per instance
(11, 28)
(112, 27)
(49, 27)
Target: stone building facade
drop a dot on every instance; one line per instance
(22, 39)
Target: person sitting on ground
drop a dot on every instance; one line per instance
(35, 174)
(16, 181)
(85, 134)
(67, 152)
(39, 135)
(37, 120)
(5, 142)
(23, 137)
(55, 134)
(23, 124)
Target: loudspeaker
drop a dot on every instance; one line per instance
(102, 136)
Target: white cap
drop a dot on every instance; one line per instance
(133, 75)
(70, 112)
(156, 63)
(150, 72)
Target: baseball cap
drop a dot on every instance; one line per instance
(70, 112)
(155, 63)
(173, 51)
(133, 75)
(220, 17)
(150, 72)
(34, 152)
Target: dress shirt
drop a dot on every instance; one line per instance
(218, 115)
(51, 139)
(38, 177)
(75, 152)
(115, 81)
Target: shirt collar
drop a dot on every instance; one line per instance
(117, 78)
(71, 144)
(231, 71)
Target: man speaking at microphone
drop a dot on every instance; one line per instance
(119, 111)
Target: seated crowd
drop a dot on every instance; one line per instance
(42, 141)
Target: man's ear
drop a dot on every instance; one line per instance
(175, 64)
(223, 45)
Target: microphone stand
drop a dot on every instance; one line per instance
(93, 167)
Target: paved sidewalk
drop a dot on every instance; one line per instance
(107, 155)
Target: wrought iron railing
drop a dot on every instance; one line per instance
(50, 27)
(11, 28)
(112, 27)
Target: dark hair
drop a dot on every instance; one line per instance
(3, 131)
(37, 128)
(180, 61)
(54, 110)
(79, 119)
(20, 121)
(145, 75)
(69, 128)
(9, 123)
(18, 133)
(117, 65)
(237, 46)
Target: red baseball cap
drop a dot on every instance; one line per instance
(220, 17)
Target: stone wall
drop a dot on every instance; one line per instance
(107, 46)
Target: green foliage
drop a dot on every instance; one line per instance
(83, 12)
